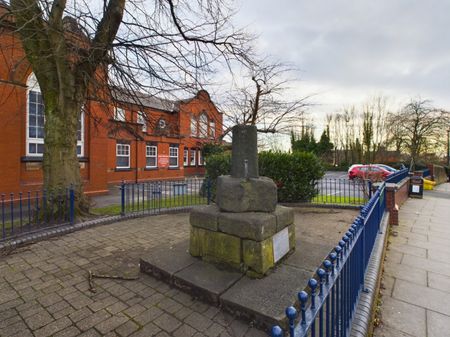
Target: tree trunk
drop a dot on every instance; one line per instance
(60, 163)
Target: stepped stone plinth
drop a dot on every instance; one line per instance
(246, 230)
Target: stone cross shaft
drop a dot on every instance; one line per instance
(244, 153)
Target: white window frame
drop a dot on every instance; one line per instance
(127, 146)
(141, 119)
(119, 114)
(194, 126)
(171, 155)
(33, 85)
(81, 141)
(200, 158)
(192, 160)
(186, 157)
(155, 147)
(203, 124)
(212, 128)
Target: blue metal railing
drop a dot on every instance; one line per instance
(334, 291)
(26, 212)
(397, 176)
(152, 197)
(426, 173)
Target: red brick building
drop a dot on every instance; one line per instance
(155, 139)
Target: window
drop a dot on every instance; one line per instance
(185, 157)
(203, 125)
(212, 129)
(200, 158)
(151, 155)
(80, 135)
(173, 156)
(119, 114)
(141, 119)
(192, 157)
(122, 155)
(36, 119)
(194, 127)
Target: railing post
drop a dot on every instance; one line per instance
(72, 205)
(303, 298)
(208, 190)
(291, 314)
(122, 198)
(276, 331)
(369, 185)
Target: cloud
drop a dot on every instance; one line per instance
(351, 49)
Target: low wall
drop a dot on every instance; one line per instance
(396, 195)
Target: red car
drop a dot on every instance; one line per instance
(371, 172)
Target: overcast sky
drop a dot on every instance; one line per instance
(349, 50)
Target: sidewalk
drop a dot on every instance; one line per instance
(416, 281)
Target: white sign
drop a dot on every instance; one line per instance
(415, 189)
(280, 244)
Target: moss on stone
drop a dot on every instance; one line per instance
(258, 256)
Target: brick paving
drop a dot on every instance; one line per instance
(44, 289)
(416, 280)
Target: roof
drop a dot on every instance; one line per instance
(125, 96)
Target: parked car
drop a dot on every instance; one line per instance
(368, 172)
(352, 167)
(386, 167)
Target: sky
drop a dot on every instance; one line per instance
(347, 51)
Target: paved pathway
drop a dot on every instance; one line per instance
(416, 294)
(44, 289)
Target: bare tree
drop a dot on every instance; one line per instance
(82, 49)
(262, 99)
(421, 127)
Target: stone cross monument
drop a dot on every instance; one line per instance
(246, 230)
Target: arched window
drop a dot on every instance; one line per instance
(36, 120)
(194, 132)
(212, 129)
(203, 125)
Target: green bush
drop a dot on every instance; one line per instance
(216, 165)
(294, 174)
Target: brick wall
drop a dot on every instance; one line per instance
(101, 134)
(396, 195)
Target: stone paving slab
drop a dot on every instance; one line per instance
(416, 288)
(265, 300)
(206, 281)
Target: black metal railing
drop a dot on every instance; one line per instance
(152, 197)
(331, 191)
(26, 212)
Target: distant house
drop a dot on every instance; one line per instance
(136, 138)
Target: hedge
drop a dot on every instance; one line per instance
(295, 174)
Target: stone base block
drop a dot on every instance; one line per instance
(255, 226)
(246, 195)
(259, 257)
(205, 217)
(215, 247)
(285, 217)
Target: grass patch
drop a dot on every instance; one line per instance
(339, 200)
(168, 202)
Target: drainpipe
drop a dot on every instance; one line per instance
(136, 162)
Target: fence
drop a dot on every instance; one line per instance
(154, 196)
(341, 192)
(334, 291)
(397, 176)
(33, 210)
